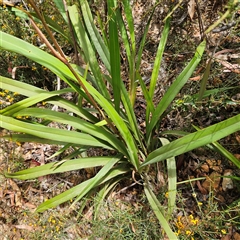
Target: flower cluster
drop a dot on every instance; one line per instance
(185, 226)
(7, 97)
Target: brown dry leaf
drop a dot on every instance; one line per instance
(236, 236)
(191, 8)
(31, 207)
(15, 195)
(205, 168)
(132, 227)
(25, 227)
(212, 182)
(201, 189)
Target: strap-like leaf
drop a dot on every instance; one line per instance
(195, 140)
(174, 89)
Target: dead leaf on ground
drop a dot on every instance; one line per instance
(212, 181)
(191, 8)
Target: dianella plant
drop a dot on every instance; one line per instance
(103, 115)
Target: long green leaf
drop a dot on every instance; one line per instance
(155, 205)
(50, 133)
(105, 174)
(62, 166)
(80, 124)
(31, 138)
(156, 66)
(29, 91)
(10, 110)
(172, 180)
(86, 46)
(11, 43)
(194, 140)
(174, 89)
(61, 9)
(95, 35)
(114, 53)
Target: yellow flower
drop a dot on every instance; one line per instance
(180, 225)
(200, 203)
(178, 232)
(11, 100)
(224, 231)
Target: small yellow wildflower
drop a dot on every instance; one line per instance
(15, 94)
(200, 203)
(194, 221)
(6, 91)
(180, 225)
(178, 232)
(11, 100)
(188, 232)
(166, 194)
(34, 68)
(224, 231)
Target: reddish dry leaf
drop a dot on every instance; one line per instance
(197, 78)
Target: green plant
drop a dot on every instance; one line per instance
(110, 123)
